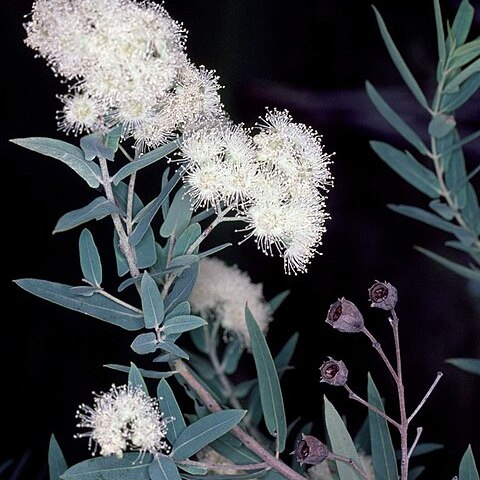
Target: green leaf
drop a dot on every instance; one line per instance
(408, 168)
(171, 409)
(451, 102)
(94, 146)
(471, 365)
(461, 77)
(341, 442)
(182, 288)
(135, 378)
(394, 119)
(145, 373)
(144, 161)
(440, 32)
(178, 216)
(95, 210)
(277, 300)
(145, 343)
(400, 63)
(442, 209)
(441, 125)
(465, 54)
(152, 302)
(96, 306)
(182, 323)
(362, 438)
(269, 384)
(424, 448)
(186, 239)
(173, 349)
(56, 461)
(232, 448)
(90, 259)
(468, 469)
(181, 309)
(205, 431)
(231, 356)
(214, 250)
(112, 138)
(383, 453)
(110, 468)
(462, 23)
(455, 171)
(283, 357)
(146, 215)
(71, 155)
(162, 468)
(455, 267)
(415, 472)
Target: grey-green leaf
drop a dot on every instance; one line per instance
(415, 472)
(178, 216)
(269, 384)
(468, 88)
(145, 343)
(70, 155)
(110, 468)
(135, 378)
(440, 32)
(442, 209)
(277, 300)
(400, 63)
(171, 409)
(152, 302)
(231, 356)
(468, 469)
(97, 305)
(465, 54)
(93, 146)
(145, 373)
(182, 288)
(471, 365)
(95, 210)
(472, 274)
(185, 240)
(461, 77)
(112, 138)
(408, 168)
(90, 258)
(205, 431)
(163, 468)
(383, 453)
(56, 461)
(182, 323)
(395, 120)
(441, 125)
(144, 161)
(462, 23)
(340, 442)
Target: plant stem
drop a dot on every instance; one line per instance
(348, 461)
(131, 191)
(120, 302)
(124, 244)
(414, 444)
(355, 397)
(401, 400)
(425, 397)
(246, 439)
(376, 345)
(223, 466)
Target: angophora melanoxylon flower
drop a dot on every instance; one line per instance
(122, 419)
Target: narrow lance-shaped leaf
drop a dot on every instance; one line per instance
(205, 431)
(178, 216)
(97, 305)
(95, 210)
(145, 373)
(462, 22)
(170, 409)
(182, 288)
(394, 119)
(182, 323)
(451, 102)
(466, 53)
(468, 469)
(440, 32)
(408, 168)
(340, 442)
(455, 83)
(56, 461)
(163, 468)
(383, 453)
(400, 63)
(70, 155)
(135, 378)
(269, 384)
(90, 258)
(277, 300)
(471, 365)
(152, 302)
(144, 161)
(186, 239)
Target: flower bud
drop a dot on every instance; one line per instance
(383, 295)
(344, 316)
(334, 372)
(311, 451)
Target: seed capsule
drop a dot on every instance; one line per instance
(383, 295)
(344, 316)
(334, 372)
(311, 451)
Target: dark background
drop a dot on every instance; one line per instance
(311, 57)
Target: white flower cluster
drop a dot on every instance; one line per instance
(323, 472)
(122, 419)
(127, 63)
(271, 179)
(222, 291)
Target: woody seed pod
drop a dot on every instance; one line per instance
(383, 295)
(311, 451)
(344, 316)
(334, 372)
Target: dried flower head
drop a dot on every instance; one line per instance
(344, 316)
(311, 451)
(383, 295)
(222, 291)
(122, 419)
(334, 372)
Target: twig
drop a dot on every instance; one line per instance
(355, 397)
(414, 444)
(350, 462)
(120, 302)
(424, 399)
(245, 438)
